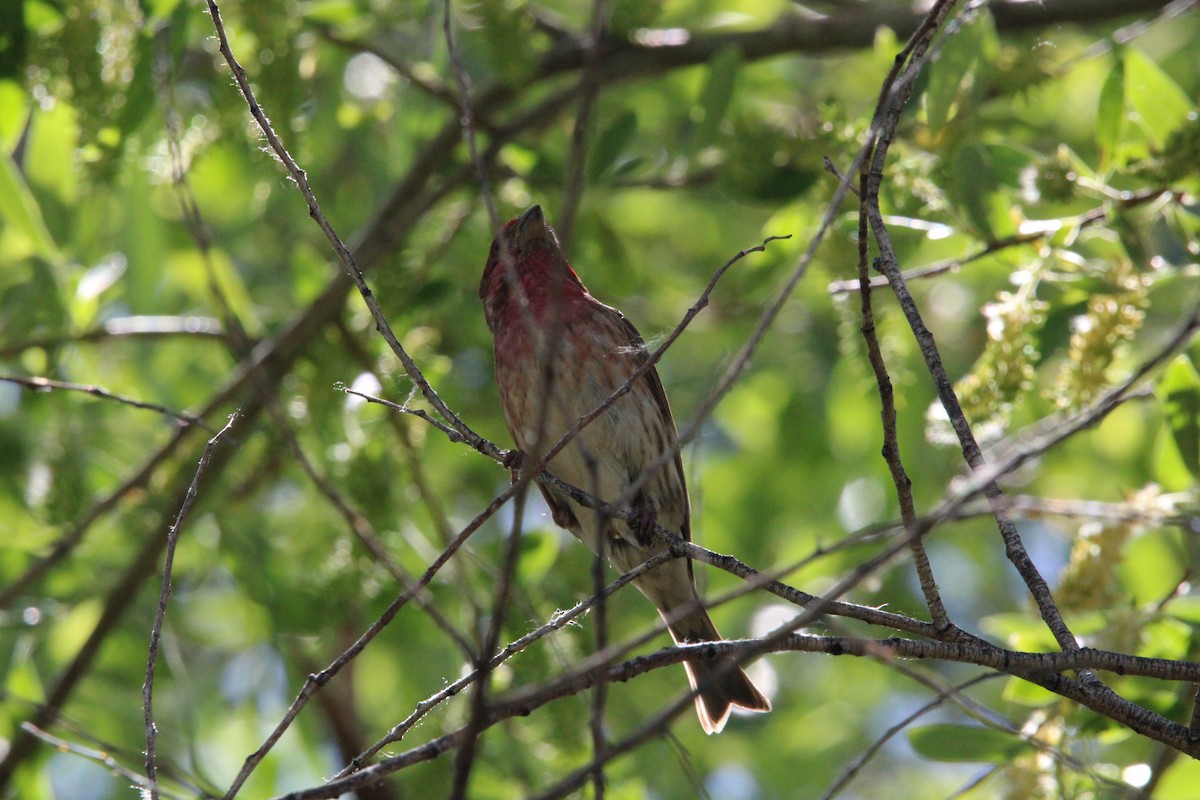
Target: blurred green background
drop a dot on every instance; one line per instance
(1077, 137)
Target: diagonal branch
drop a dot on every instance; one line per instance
(888, 264)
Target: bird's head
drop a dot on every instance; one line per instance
(525, 255)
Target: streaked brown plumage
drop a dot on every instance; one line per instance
(593, 352)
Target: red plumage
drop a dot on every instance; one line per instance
(549, 331)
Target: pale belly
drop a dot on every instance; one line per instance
(607, 455)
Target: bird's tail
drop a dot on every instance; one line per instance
(723, 684)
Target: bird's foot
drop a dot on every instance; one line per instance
(642, 520)
(513, 460)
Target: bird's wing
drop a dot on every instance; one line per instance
(640, 356)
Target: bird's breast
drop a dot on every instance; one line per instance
(550, 375)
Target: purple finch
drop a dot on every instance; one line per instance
(559, 353)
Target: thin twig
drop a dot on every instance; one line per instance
(558, 621)
(891, 446)
(832, 169)
(589, 90)
(524, 702)
(46, 384)
(344, 256)
(855, 766)
(887, 263)
(1041, 230)
(466, 756)
(102, 757)
(314, 682)
(160, 613)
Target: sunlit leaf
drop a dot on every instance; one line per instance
(333, 12)
(1111, 115)
(19, 208)
(539, 550)
(1152, 563)
(1160, 104)
(1185, 608)
(1179, 781)
(73, 627)
(14, 111)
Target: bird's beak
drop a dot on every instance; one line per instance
(532, 226)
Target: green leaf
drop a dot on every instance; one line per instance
(1179, 391)
(1111, 113)
(71, 629)
(1018, 690)
(51, 152)
(1180, 781)
(716, 94)
(23, 680)
(1156, 100)
(330, 12)
(976, 189)
(14, 37)
(1184, 608)
(1169, 470)
(957, 62)
(19, 208)
(609, 145)
(885, 48)
(539, 552)
(190, 270)
(1019, 631)
(30, 300)
(1152, 566)
(958, 743)
(14, 112)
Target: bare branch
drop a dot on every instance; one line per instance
(557, 622)
(46, 385)
(344, 256)
(911, 59)
(161, 611)
(887, 118)
(1037, 231)
(102, 757)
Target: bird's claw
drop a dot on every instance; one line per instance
(642, 521)
(513, 460)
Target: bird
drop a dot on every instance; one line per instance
(558, 353)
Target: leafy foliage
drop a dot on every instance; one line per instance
(1045, 178)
